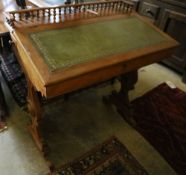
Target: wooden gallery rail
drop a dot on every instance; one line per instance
(59, 13)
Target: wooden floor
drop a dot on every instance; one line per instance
(42, 3)
(7, 5)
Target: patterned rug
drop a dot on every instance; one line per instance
(109, 158)
(160, 115)
(14, 77)
(12, 72)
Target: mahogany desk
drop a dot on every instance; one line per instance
(60, 58)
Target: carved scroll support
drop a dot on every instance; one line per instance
(36, 113)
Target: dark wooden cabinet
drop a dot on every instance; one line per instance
(149, 9)
(170, 16)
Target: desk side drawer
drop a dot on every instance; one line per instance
(149, 10)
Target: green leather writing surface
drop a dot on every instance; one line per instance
(63, 48)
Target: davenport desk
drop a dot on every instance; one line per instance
(67, 48)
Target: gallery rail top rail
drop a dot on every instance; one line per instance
(47, 15)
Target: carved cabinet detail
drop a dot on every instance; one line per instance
(170, 16)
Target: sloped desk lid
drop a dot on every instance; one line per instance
(60, 58)
(66, 47)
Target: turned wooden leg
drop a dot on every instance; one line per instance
(184, 70)
(121, 99)
(35, 110)
(127, 83)
(184, 76)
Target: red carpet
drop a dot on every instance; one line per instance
(160, 115)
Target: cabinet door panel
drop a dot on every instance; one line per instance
(174, 24)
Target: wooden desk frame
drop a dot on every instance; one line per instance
(52, 84)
